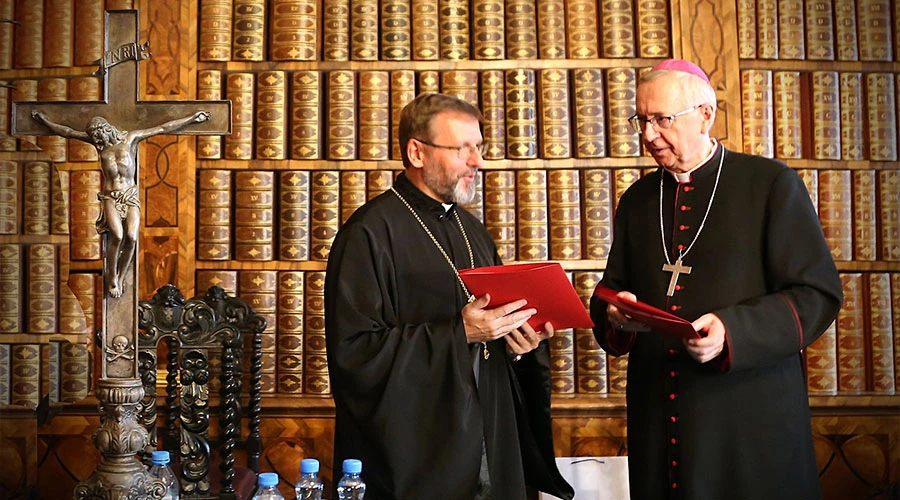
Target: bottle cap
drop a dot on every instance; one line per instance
(352, 466)
(268, 479)
(309, 466)
(159, 457)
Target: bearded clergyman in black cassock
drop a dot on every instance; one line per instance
(730, 242)
(439, 393)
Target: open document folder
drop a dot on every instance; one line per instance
(544, 285)
(657, 319)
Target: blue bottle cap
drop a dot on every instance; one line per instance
(309, 466)
(268, 479)
(159, 457)
(352, 466)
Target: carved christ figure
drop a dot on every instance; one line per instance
(120, 211)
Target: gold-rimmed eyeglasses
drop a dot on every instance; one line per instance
(462, 152)
(638, 122)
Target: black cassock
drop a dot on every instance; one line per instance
(401, 370)
(737, 427)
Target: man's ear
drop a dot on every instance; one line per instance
(708, 111)
(416, 153)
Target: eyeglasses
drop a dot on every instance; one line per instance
(638, 122)
(462, 152)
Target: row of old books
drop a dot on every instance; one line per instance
(821, 30)
(426, 30)
(860, 351)
(822, 115)
(54, 371)
(549, 113)
(53, 33)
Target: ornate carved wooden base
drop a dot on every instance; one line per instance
(120, 475)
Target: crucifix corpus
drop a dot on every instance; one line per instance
(115, 126)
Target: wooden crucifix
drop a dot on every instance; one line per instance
(115, 126)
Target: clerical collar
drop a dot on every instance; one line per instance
(686, 176)
(418, 199)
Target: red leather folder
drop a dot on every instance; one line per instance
(544, 285)
(656, 319)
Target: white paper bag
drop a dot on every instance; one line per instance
(594, 478)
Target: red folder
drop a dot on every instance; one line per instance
(544, 285)
(656, 319)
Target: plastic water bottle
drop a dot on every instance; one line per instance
(268, 487)
(309, 486)
(160, 470)
(351, 486)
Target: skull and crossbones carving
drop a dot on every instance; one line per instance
(119, 349)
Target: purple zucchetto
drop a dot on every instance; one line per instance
(682, 65)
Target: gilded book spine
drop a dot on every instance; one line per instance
(598, 212)
(617, 28)
(488, 29)
(426, 44)
(315, 362)
(26, 89)
(25, 382)
(341, 121)
(846, 40)
(83, 88)
(462, 84)
(493, 106)
(214, 214)
(810, 178)
(29, 34)
(500, 211)
(36, 198)
(621, 88)
(324, 206)
(249, 39)
(293, 240)
(889, 196)
(881, 341)
(562, 362)
(353, 192)
(290, 332)
(260, 289)
(429, 81)
(756, 106)
(865, 215)
(882, 114)
(564, 203)
(590, 359)
(396, 44)
(653, 28)
(364, 30)
(819, 30)
(767, 29)
(377, 182)
(835, 212)
(9, 197)
(215, 30)
(873, 26)
(852, 124)
(521, 115)
(5, 375)
(895, 321)
(84, 287)
(59, 201)
(551, 29)
(59, 19)
(336, 30)
(521, 29)
(41, 288)
(306, 115)
(555, 123)
(453, 19)
(403, 90)
(851, 336)
(75, 372)
(71, 318)
(209, 88)
(531, 211)
(746, 29)
(84, 211)
(11, 292)
(88, 38)
(224, 279)
(617, 374)
(821, 363)
(582, 41)
(623, 178)
(792, 39)
(374, 115)
(271, 115)
(254, 211)
(788, 115)
(7, 142)
(293, 33)
(7, 11)
(826, 115)
(590, 118)
(239, 89)
(53, 90)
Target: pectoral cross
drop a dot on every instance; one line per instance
(676, 269)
